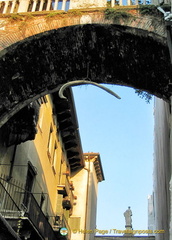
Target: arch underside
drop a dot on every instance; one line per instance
(100, 53)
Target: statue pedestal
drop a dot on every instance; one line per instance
(129, 231)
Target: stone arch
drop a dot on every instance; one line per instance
(101, 53)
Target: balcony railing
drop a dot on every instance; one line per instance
(62, 223)
(40, 221)
(10, 200)
(11, 208)
(66, 225)
(129, 2)
(17, 6)
(66, 189)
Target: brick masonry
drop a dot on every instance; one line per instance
(16, 27)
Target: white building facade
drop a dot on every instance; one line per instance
(162, 170)
(83, 219)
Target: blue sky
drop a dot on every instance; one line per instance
(122, 132)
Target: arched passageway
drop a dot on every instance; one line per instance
(101, 53)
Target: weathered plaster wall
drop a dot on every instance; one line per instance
(92, 201)
(151, 214)
(75, 4)
(79, 210)
(86, 187)
(17, 171)
(162, 168)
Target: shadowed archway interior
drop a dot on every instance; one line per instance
(100, 53)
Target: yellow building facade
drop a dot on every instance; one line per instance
(44, 173)
(35, 175)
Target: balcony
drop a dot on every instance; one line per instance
(29, 220)
(68, 201)
(66, 189)
(39, 220)
(62, 223)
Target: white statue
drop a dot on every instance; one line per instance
(127, 215)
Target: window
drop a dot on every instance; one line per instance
(44, 99)
(41, 117)
(42, 200)
(31, 173)
(54, 157)
(67, 5)
(40, 101)
(59, 7)
(50, 142)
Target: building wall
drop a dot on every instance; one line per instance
(27, 153)
(86, 189)
(46, 158)
(157, 2)
(49, 149)
(77, 220)
(39, 171)
(162, 167)
(75, 4)
(92, 201)
(16, 172)
(151, 214)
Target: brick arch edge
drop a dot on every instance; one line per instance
(101, 53)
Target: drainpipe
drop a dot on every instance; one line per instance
(12, 163)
